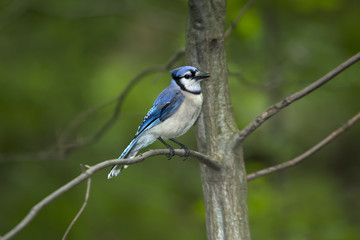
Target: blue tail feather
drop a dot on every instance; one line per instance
(115, 170)
(128, 149)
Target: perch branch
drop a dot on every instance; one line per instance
(274, 109)
(92, 170)
(308, 153)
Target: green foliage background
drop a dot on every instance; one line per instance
(58, 58)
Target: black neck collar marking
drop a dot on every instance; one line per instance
(182, 87)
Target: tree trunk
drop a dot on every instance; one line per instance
(224, 190)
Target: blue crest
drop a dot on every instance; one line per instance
(178, 72)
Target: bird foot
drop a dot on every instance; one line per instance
(171, 153)
(187, 152)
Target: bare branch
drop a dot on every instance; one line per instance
(238, 17)
(92, 170)
(64, 145)
(306, 154)
(274, 109)
(87, 195)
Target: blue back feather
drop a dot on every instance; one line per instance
(164, 106)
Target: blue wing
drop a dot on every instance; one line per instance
(164, 106)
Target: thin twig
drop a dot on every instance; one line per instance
(238, 17)
(274, 109)
(306, 154)
(87, 195)
(92, 170)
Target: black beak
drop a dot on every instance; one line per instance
(201, 75)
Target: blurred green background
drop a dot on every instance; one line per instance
(58, 58)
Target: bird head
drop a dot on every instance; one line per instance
(188, 78)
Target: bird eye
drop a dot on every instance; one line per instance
(187, 76)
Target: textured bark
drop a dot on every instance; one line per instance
(224, 190)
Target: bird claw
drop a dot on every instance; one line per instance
(171, 154)
(187, 152)
(186, 149)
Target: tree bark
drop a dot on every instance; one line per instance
(224, 190)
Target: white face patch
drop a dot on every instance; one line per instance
(190, 84)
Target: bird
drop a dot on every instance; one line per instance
(174, 111)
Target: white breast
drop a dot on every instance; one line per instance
(180, 122)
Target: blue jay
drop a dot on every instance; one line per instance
(174, 111)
